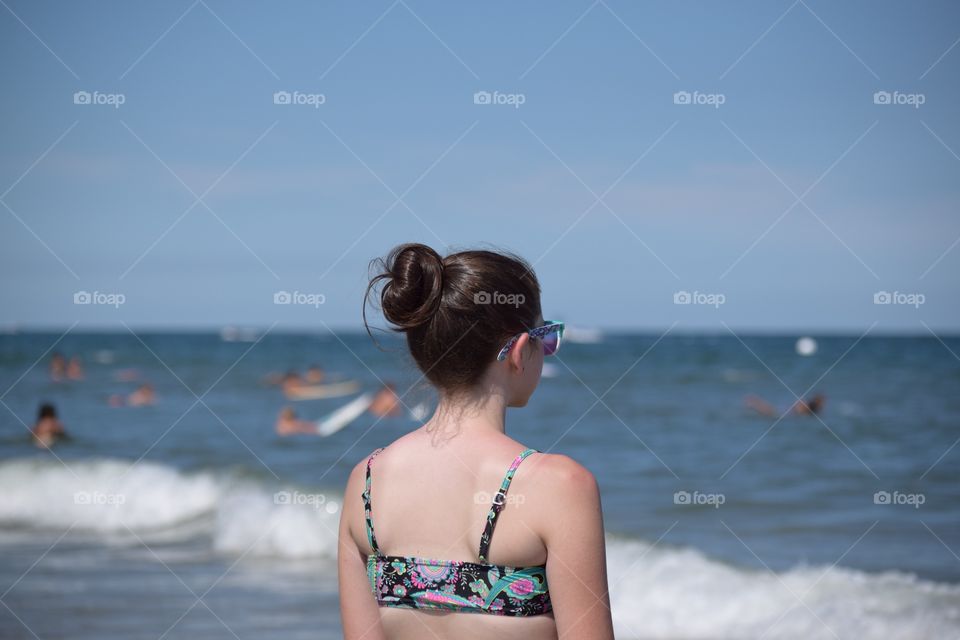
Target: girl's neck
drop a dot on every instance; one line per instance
(472, 413)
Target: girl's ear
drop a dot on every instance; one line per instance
(516, 357)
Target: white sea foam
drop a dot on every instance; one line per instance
(102, 495)
(656, 591)
(148, 499)
(681, 593)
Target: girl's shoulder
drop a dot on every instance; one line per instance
(561, 468)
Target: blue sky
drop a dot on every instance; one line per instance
(198, 198)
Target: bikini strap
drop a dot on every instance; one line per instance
(367, 513)
(498, 501)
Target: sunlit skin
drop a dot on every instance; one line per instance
(289, 424)
(386, 403)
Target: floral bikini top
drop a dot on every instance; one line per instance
(453, 585)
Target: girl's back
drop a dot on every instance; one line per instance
(433, 503)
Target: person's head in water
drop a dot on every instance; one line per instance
(459, 312)
(815, 404)
(47, 410)
(58, 364)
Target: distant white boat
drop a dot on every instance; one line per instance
(806, 346)
(549, 370)
(238, 334)
(582, 335)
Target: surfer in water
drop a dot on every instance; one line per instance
(314, 375)
(386, 403)
(289, 424)
(48, 428)
(804, 407)
(292, 382)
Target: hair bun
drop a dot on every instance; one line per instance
(414, 287)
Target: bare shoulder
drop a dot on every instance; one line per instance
(566, 499)
(564, 477)
(562, 467)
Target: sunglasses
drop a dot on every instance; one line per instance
(549, 335)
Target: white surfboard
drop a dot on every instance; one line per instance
(320, 391)
(344, 415)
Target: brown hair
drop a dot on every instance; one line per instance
(457, 312)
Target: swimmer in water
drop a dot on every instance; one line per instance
(386, 404)
(48, 428)
(58, 366)
(804, 407)
(288, 424)
(810, 407)
(291, 382)
(142, 397)
(75, 368)
(314, 375)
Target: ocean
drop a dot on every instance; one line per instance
(192, 518)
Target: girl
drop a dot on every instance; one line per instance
(456, 517)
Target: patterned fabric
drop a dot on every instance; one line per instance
(475, 587)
